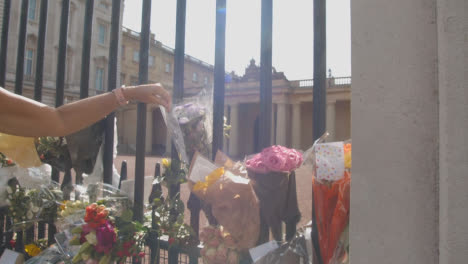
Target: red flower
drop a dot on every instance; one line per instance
(42, 157)
(9, 161)
(171, 240)
(141, 254)
(12, 243)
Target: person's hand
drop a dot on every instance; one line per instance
(149, 93)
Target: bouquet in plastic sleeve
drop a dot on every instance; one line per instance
(270, 173)
(331, 197)
(50, 255)
(27, 206)
(292, 252)
(195, 119)
(107, 236)
(232, 200)
(218, 246)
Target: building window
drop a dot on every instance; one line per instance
(28, 63)
(122, 79)
(151, 61)
(136, 56)
(195, 77)
(133, 80)
(102, 4)
(168, 67)
(32, 10)
(206, 80)
(102, 31)
(100, 79)
(123, 52)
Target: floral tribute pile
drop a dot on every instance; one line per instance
(219, 246)
(275, 159)
(107, 237)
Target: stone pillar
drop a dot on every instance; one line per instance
(394, 101)
(234, 137)
(149, 130)
(296, 126)
(281, 124)
(331, 117)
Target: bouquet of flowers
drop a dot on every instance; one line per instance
(107, 236)
(272, 173)
(232, 199)
(331, 196)
(194, 119)
(218, 246)
(27, 206)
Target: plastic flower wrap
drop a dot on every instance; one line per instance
(107, 236)
(231, 197)
(195, 120)
(218, 246)
(27, 206)
(271, 172)
(331, 179)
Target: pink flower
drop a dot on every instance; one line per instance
(105, 237)
(229, 241)
(274, 162)
(213, 243)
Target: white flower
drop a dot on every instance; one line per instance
(91, 238)
(29, 215)
(9, 190)
(35, 209)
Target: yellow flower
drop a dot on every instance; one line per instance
(209, 180)
(166, 163)
(32, 250)
(347, 155)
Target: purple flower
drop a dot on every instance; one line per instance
(106, 237)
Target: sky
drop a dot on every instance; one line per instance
(292, 33)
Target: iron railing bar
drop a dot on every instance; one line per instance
(219, 72)
(21, 47)
(62, 54)
(4, 48)
(108, 157)
(266, 74)
(141, 112)
(86, 54)
(319, 94)
(40, 51)
(178, 94)
(265, 118)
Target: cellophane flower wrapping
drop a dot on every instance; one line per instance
(219, 246)
(28, 206)
(102, 229)
(232, 199)
(331, 179)
(51, 255)
(291, 252)
(195, 119)
(269, 171)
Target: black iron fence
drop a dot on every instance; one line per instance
(173, 254)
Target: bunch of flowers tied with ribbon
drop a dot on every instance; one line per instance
(331, 190)
(105, 238)
(272, 174)
(218, 246)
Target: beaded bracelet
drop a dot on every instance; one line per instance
(120, 96)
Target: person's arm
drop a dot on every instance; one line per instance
(24, 117)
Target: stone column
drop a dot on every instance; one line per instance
(149, 130)
(281, 124)
(394, 101)
(296, 126)
(331, 117)
(234, 137)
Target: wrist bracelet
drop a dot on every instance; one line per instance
(120, 96)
